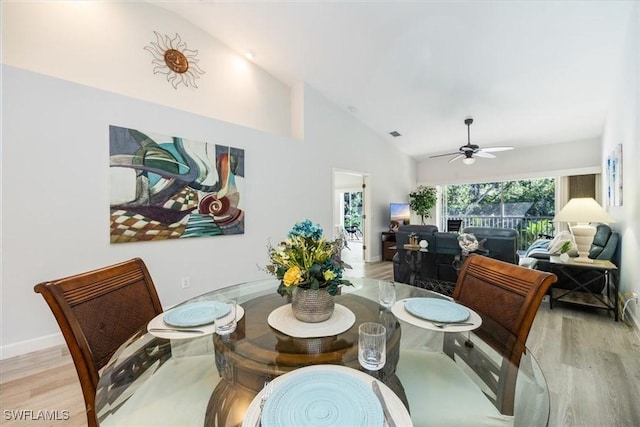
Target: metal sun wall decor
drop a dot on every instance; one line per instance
(614, 177)
(172, 188)
(172, 58)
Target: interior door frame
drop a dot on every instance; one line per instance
(366, 208)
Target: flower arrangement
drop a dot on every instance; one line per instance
(307, 260)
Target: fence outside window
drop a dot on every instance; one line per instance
(529, 228)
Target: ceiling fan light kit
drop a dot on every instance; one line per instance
(469, 152)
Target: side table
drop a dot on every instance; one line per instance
(581, 294)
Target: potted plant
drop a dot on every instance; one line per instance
(422, 200)
(310, 269)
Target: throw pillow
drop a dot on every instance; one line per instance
(556, 244)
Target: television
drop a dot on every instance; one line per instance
(399, 214)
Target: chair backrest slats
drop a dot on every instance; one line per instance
(97, 289)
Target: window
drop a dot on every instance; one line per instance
(527, 206)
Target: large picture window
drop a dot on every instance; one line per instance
(527, 206)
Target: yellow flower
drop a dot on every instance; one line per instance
(329, 275)
(293, 276)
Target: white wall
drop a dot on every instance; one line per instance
(100, 44)
(623, 127)
(55, 201)
(569, 158)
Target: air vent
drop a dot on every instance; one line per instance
(394, 133)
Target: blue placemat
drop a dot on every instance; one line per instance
(196, 314)
(322, 399)
(437, 310)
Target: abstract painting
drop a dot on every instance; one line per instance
(164, 187)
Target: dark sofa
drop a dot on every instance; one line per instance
(437, 265)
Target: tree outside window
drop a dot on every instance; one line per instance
(526, 205)
(353, 210)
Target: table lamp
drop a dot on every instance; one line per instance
(583, 211)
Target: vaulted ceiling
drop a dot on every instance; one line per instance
(528, 72)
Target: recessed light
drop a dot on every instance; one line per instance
(249, 55)
(352, 109)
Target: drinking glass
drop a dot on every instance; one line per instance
(227, 323)
(386, 293)
(372, 346)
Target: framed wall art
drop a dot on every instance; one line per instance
(614, 177)
(165, 187)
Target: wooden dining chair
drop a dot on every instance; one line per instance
(97, 312)
(507, 298)
(508, 294)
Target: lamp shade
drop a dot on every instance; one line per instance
(583, 209)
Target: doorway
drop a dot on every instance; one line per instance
(351, 216)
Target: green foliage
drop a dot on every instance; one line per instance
(565, 247)
(534, 229)
(422, 200)
(535, 197)
(353, 209)
(515, 204)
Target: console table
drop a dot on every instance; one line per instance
(581, 294)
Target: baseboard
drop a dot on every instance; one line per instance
(28, 346)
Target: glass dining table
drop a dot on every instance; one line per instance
(433, 375)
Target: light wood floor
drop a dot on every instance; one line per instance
(591, 363)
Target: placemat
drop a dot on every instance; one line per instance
(282, 319)
(322, 398)
(397, 409)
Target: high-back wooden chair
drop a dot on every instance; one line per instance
(507, 298)
(98, 311)
(506, 293)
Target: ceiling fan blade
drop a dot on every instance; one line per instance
(482, 153)
(459, 156)
(444, 155)
(495, 149)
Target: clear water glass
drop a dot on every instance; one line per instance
(372, 346)
(227, 323)
(386, 293)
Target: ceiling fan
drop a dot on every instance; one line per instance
(469, 152)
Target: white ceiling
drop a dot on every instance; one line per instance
(528, 72)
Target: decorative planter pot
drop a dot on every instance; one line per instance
(312, 305)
